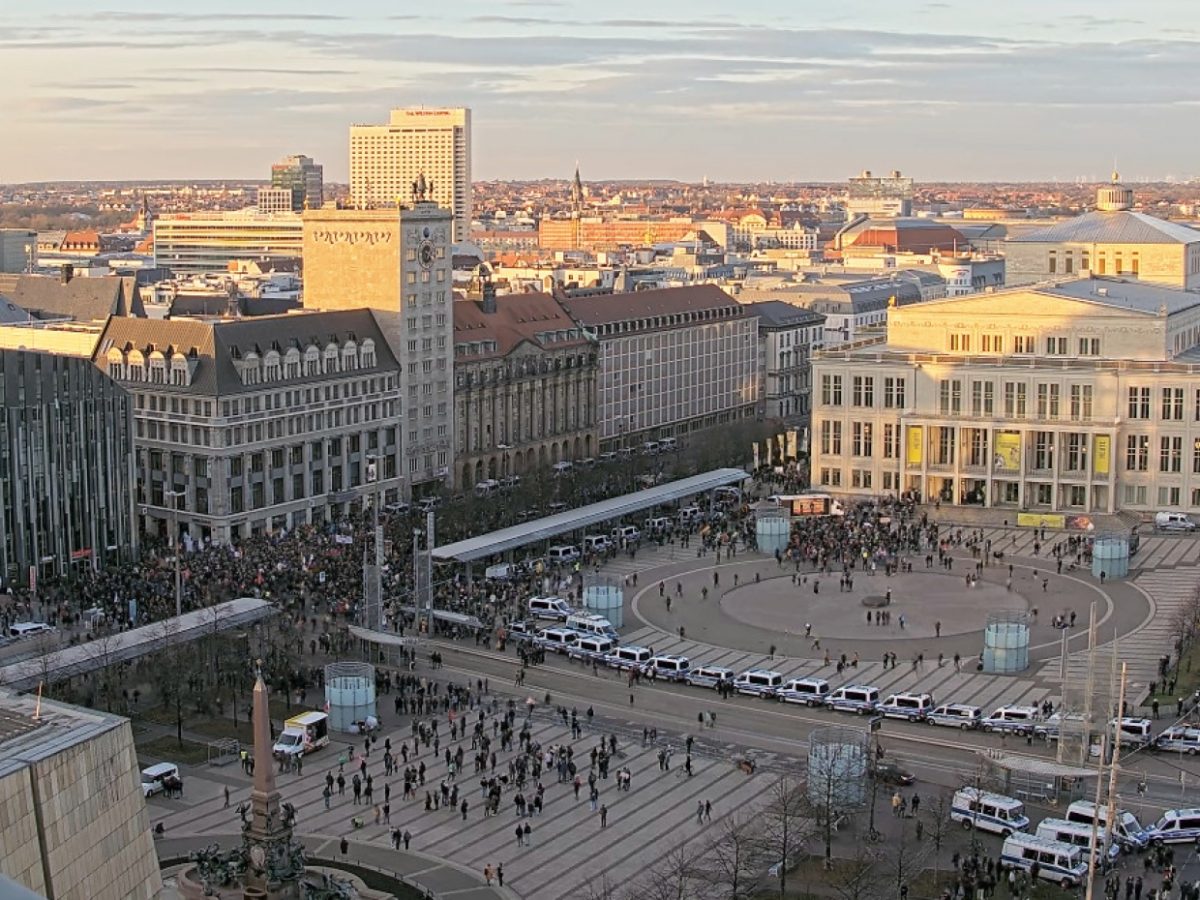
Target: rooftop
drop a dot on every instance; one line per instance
(519, 318)
(610, 308)
(1111, 227)
(1117, 293)
(33, 729)
(778, 314)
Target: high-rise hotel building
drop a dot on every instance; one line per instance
(385, 161)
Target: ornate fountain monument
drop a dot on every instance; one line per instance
(270, 863)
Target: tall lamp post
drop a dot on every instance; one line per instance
(175, 495)
(375, 584)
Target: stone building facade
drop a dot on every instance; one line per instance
(66, 466)
(525, 386)
(251, 425)
(1076, 397)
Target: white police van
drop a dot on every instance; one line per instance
(955, 715)
(809, 691)
(1128, 832)
(629, 656)
(858, 698)
(986, 811)
(590, 623)
(591, 647)
(668, 667)
(1179, 739)
(1016, 719)
(1080, 835)
(557, 640)
(1056, 861)
(710, 676)
(1132, 732)
(1177, 826)
(550, 608)
(758, 682)
(913, 707)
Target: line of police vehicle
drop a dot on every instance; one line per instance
(1058, 847)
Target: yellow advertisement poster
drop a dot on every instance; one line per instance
(1102, 457)
(1041, 520)
(1008, 452)
(916, 444)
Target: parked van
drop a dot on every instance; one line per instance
(1080, 835)
(629, 656)
(809, 691)
(154, 777)
(1132, 732)
(1127, 831)
(690, 514)
(627, 533)
(591, 624)
(563, 553)
(1179, 739)
(955, 715)
(988, 812)
(28, 629)
(709, 676)
(1177, 826)
(486, 488)
(592, 647)
(657, 525)
(859, 698)
(500, 572)
(557, 640)
(913, 707)
(554, 608)
(596, 543)
(727, 495)
(1014, 719)
(667, 445)
(561, 468)
(1051, 728)
(672, 668)
(1056, 861)
(649, 448)
(624, 453)
(758, 683)
(1173, 521)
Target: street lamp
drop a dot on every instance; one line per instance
(375, 584)
(504, 448)
(175, 495)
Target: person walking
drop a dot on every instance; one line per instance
(227, 786)
(407, 838)
(487, 874)
(500, 874)
(603, 816)
(528, 835)
(520, 833)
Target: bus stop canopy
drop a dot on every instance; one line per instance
(505, 539)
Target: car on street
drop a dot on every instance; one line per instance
(888, 772)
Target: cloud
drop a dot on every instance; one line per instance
(135, 15)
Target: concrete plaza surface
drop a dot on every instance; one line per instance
(734, 627)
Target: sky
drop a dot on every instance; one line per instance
(732, 90)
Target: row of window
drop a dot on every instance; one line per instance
(1167, 495)
(1170, 406)
(862, 391)
(1048, 398)
(963, 342)
(1118, 263)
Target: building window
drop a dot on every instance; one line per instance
(863, 391)
(831, 477)
(863, 444)
(1172, 404)
(1089, 346)
(1168, 496)
(977, 455)
(960, 343)
(993, 343)
(982, 400)
(950, 396)
(860, 478)
(1076, 452)
(831, 390)
(1023, 344)
(893, 395)
(1043, 450)
(1137, 453)
(1170, 454)
(1047, 400)
(891, 449)
(1056, 346)
(1014, 399)
(831, 438)
(944, 451)
(1139, 403)
(1081, 402)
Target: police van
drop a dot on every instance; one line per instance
(557, 640)
(758, 682)
(1080, 835)
(1056, 861)
(671, 668)
(1177, 826)
(709, 676)
(590, 623)
(810, 691)
(955, 715)
(550, 608)
(858, 698)
(1132, 732)
(988, 812)
(1127, 831)
(1017, 719)
(913, 707)
(1179, 739)
(629, 656)
(591, 647)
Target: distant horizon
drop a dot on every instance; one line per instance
(762, 92)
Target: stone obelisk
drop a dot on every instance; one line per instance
(267, 836)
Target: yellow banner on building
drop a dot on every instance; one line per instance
(916, 445)
(1041, 520)
(1008, 452)
(1102, 455)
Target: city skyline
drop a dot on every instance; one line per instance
(1009, 95)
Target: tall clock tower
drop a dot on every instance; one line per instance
(426, 320)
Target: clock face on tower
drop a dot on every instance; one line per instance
(425, 254)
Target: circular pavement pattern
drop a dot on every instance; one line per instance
(923, 599)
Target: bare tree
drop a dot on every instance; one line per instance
(676, 876)
(171, 678)
(856, 878)
(600, 889)
(735, 858)
(937, 826)
(787, 826)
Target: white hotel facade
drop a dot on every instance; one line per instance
(1077, 397)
